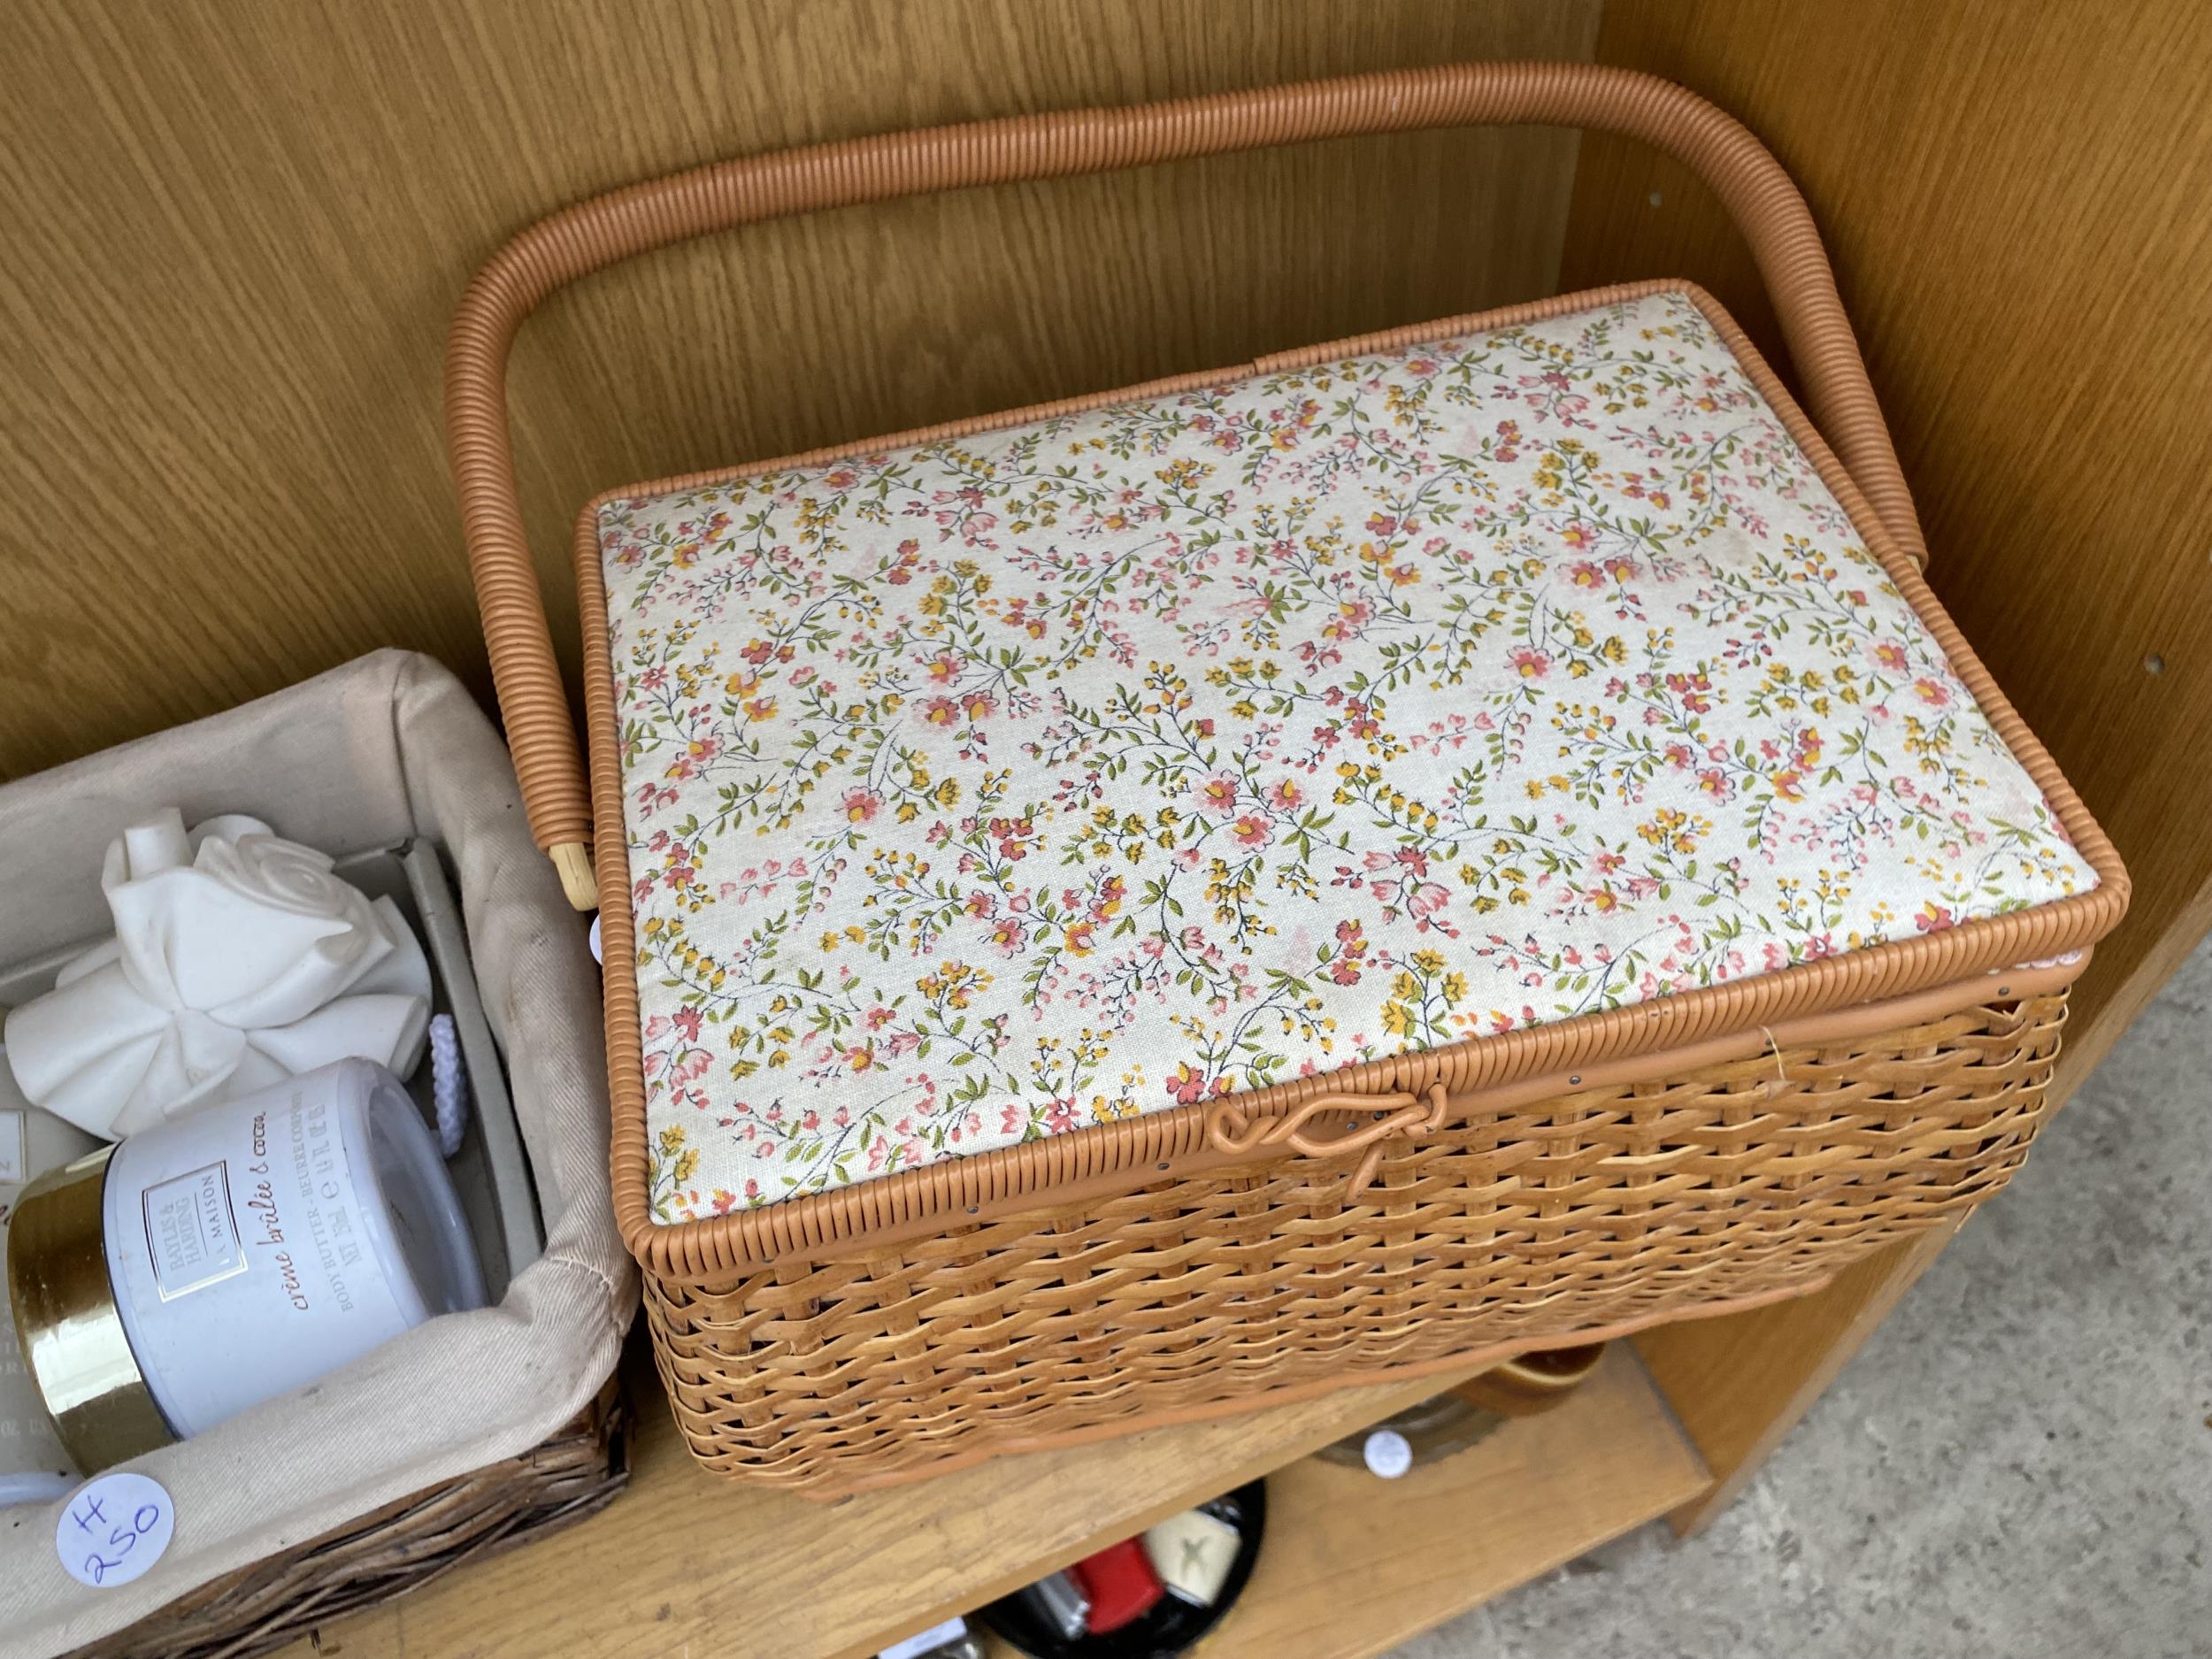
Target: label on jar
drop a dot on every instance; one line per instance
(192, 1231)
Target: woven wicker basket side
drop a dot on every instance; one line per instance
(262, 1606)
(1592, 1212)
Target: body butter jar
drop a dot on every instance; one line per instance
(219, 1260)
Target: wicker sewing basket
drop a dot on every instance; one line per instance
(1699, 1153)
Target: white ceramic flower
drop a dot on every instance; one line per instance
(239, 957)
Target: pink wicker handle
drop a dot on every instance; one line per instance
(611, 228)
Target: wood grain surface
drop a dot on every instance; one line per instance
(2018, 200)
(687, 1563)
(236, 229)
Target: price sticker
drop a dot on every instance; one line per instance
(1388, 1453)
(113, 1528)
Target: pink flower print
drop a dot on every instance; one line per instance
(1188, 1084)
(941, 711)
(1218, 794)
(1079, 938)
(1251, 831)
(879, 1016)
(1204, 728)
(1606, 862)
(1583, 574)
(1621, 568)
(944, 670)
(1427, 899)
(758, 652)
(1530, 663)
(1933, 918)
(980, 904)
(1012, 835)
(1381, 524)
(1350, 621)
(687, 1021)
(1579, 535)
(979, 705)
(1007, 935)
(1286, 796)
(1890, 655)
(655, 1027)
(1934, 693)
(1010, 1120)
(861, 805)
(1108, 901)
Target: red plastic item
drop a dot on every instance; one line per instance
(1121, 1584)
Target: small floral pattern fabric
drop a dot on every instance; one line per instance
(1004, 785)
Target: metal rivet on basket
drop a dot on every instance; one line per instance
(975, 1209)
(1573, 1080)
(1163, 1167)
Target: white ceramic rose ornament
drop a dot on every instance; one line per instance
(239, 958)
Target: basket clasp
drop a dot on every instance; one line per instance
(1232, 1129)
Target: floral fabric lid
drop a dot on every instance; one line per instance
(992, 788)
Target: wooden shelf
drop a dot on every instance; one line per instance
(684, 1562)
(1353, 1565)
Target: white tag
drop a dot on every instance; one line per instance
(914, 1647)
(113, 1528)
(191, 1231)
(1388, 1453)
(597, 949)
(15, 1146)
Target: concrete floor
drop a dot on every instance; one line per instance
(2019, 1461)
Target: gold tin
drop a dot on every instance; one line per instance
(73, 1338)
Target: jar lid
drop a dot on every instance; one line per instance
(74, 1343)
